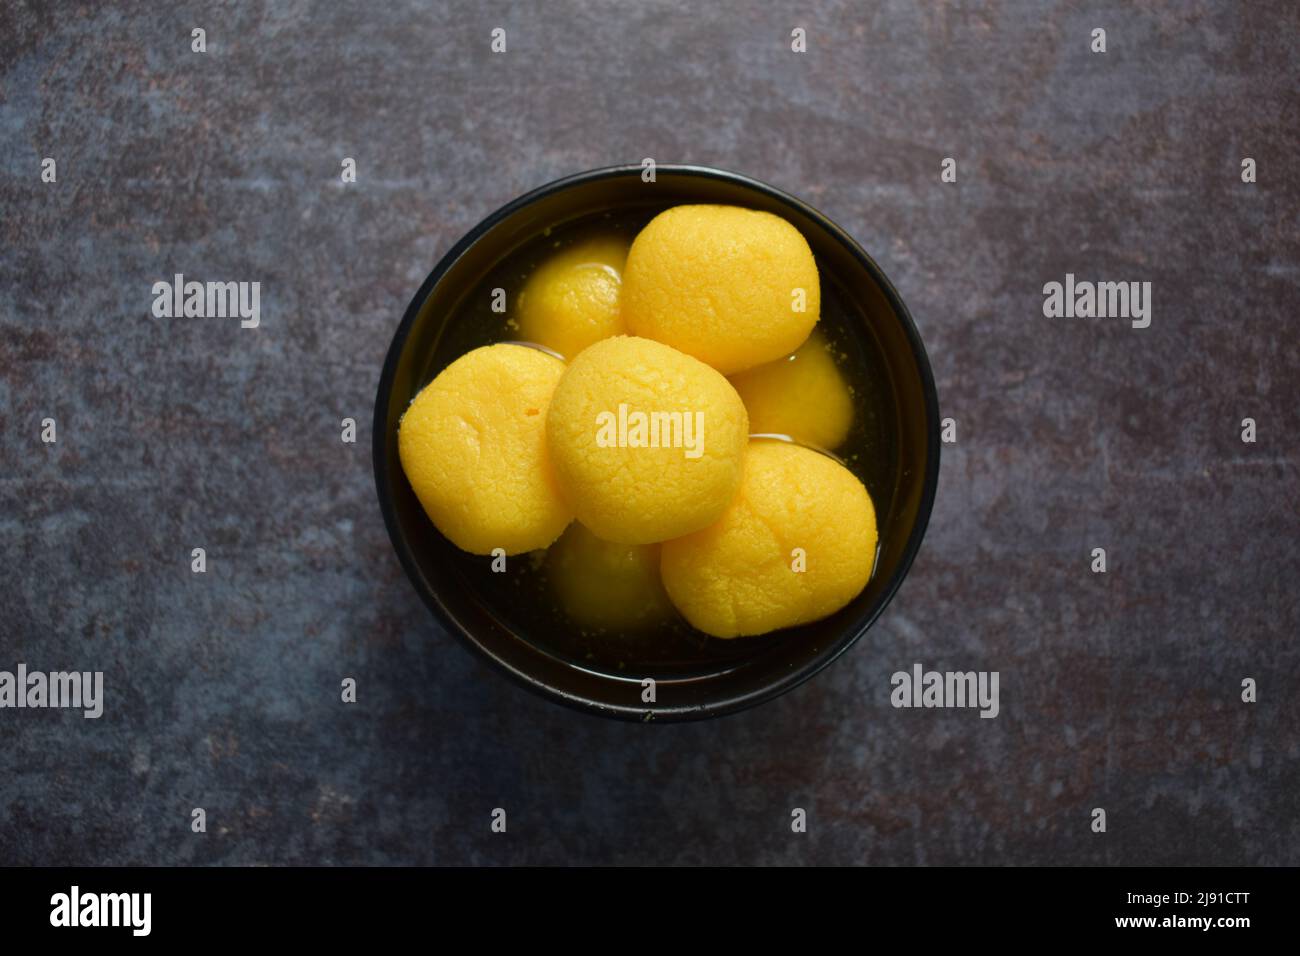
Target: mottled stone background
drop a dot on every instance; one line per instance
(1118, 690)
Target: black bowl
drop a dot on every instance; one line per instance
(791, 656)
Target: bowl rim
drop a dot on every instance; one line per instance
(653, 713)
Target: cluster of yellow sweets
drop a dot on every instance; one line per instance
(675, 352)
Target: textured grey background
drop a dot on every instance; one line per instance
(1119, 691)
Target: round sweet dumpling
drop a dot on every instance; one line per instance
(473, 446)
(572, 300)
(647, 442)
(733, 287)
(797, 544)
(802, 395)
(605, 585)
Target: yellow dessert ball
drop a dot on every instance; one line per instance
(605, 585)
(802, 395)
(797, 544)
(571, 300)
(733, 287)
(473, 446)
(647, 442)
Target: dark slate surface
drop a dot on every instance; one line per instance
(1118, 691)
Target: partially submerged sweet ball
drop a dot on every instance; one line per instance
(802, 395)
(647, 442)
(797, 544)
(604, 585)
(732, 287)
(572, 300)
(473, 446)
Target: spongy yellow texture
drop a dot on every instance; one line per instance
(473, 446)
(639, 495)
(737, 577)
(719, 283)
(572, 300)
(605, 585)
(802, 395)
